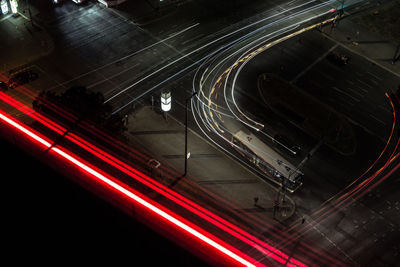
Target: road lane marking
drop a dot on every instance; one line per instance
(376, 77)
(127, 56)
(323, 56)
(111, 77)
(366, 84)
(385, 109)
(355, 92)
(345, 93)
(372, 116)
(212, 42)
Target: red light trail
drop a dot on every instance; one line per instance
(225, 225)
(266, 249)
(346, 198)
(235, 231)
(135, 196)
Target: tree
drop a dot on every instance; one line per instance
(84, 104)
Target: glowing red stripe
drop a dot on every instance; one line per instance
(216, 220)
(131, 195)
(179, 199)
(10, 121)
(298, 263)
(186, 203)
(358, 189)
(33, 114)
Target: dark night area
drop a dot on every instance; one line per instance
(47, 218)
(198, 132)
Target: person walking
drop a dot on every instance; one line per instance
(255, 201)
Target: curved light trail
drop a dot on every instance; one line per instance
(196, 50)
(215, 74)
(257, 46)
(212, 123)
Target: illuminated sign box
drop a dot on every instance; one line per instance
(4, 6)
(14, 5)
(166, 101)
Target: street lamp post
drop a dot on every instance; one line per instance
(186, 130)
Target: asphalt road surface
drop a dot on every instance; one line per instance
(358, 92)
(129, 61)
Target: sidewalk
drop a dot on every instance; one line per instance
(362, 41)
(208, 167)
(23, 43)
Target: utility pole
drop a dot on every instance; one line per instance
(186, 130)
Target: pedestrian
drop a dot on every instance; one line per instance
(395, 59)
(395, 56)
(303, 220)
(126, 120)
(255, 201)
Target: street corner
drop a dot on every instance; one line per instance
(25, 43)
(372, 34)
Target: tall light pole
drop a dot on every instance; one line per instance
(186, 130)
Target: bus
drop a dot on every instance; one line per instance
(267, 160)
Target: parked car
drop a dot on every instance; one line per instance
(338, 59)
(3, 86)
(22, 78)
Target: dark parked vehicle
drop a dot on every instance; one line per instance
(22, 78)
(338, 59)
(285, 144)
(3, 86)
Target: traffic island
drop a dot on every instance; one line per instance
(307, 113)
